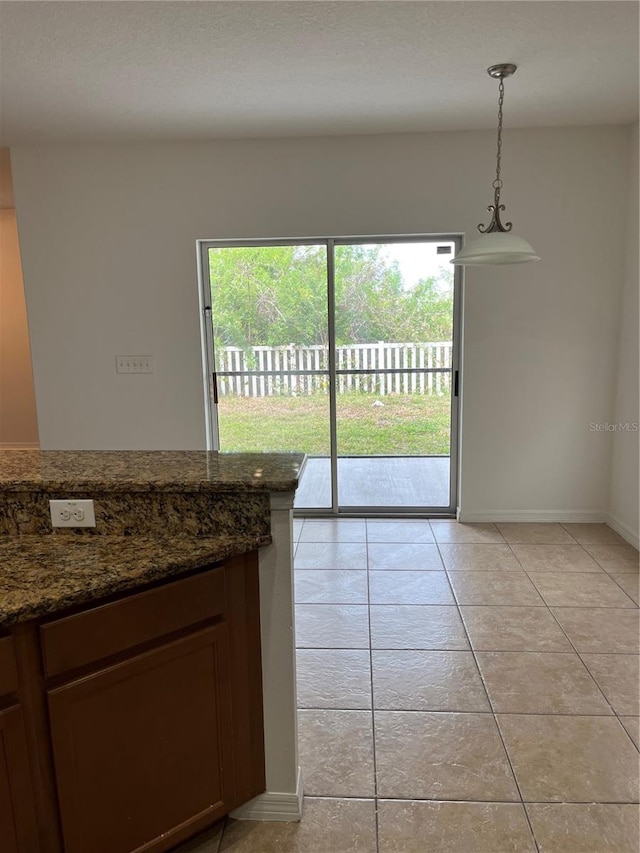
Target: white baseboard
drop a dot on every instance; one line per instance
(624, 530)
(25, 445)
(535, 515)
(273, 805)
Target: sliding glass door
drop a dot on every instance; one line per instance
(267, 314)
(343, 349)
(394, 372)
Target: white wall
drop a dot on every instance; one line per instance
(108, 238)
(18, 425)
(625, 464)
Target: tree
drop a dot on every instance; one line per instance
(277, 295)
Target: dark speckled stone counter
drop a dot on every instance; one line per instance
(148, 471)
(40, 575)
(157, 514)
(145, 492)
(139, 513)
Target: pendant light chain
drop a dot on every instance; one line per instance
(496, 223)
(496, 245)
(498, 182)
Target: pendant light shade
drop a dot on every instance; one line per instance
(496, 245)
(500, 247)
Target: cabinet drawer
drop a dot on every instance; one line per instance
(108, 629)
(8, 674)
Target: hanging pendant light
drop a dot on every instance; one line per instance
(497, 245)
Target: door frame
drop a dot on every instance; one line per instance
(209, 364)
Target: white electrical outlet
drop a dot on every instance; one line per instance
(134, 364)
(72, 513)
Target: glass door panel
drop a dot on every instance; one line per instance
(271, 356)
(344, 350)
(394, 374)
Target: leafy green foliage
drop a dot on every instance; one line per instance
(277, 295)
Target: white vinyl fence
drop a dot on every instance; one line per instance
(400, 358)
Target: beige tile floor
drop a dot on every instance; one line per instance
(463, 688)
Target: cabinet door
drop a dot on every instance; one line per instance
(141, 748)
(18, 832)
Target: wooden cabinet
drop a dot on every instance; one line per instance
(142, 748)
(153, 708)
(17, 816)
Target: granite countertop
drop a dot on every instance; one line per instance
(40, 575)
(148, 471)
(158, 513)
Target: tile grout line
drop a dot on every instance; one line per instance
(637, 606)
(360, 797)
(529, 572)
(489, 802)
(621, 544)
(558, 623)
(461, 604)
(614, 713)
(473, 651)
(373, 715)
(446, 711)
(495, 721)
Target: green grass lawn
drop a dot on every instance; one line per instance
(411, 425)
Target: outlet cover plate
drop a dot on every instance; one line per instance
(72, 513)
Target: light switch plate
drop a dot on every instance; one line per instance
(72, 513)
(134, 364)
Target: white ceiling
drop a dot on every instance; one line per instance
(181, 70)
